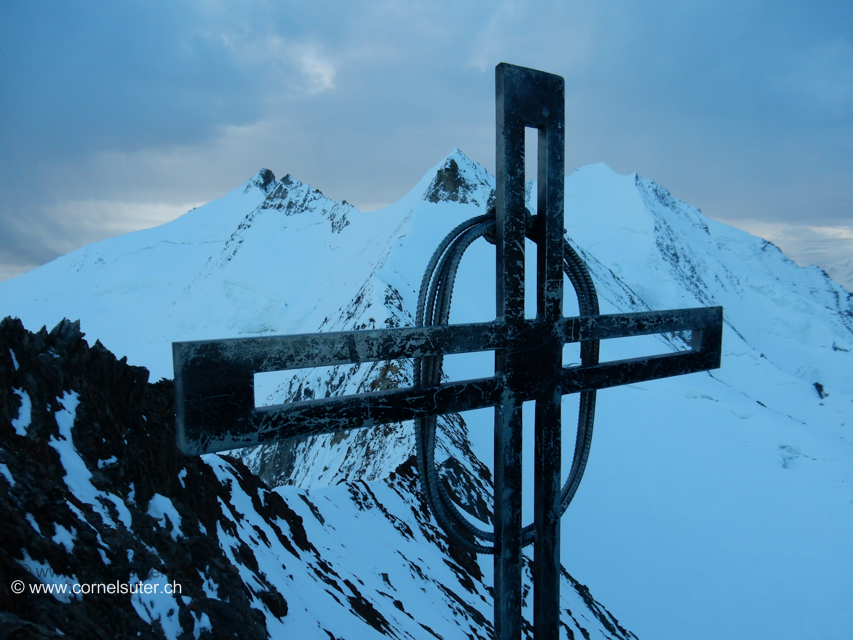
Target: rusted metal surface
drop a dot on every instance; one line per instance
(215, 379)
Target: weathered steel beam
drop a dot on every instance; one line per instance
(215, 396)
(304, 351)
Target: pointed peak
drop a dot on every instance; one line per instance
(263, 180)
(457, 155)
(601, 170)
(464, 163)
(459, 179)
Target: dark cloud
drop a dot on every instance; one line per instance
(745, 109)
(91, 76)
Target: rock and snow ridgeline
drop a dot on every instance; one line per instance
(696, 486)
(95, 492)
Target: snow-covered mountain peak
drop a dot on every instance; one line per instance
(263, 180)
(601, 205)
(292, 197)
(669, 255)
(459, 179)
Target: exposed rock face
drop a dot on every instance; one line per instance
(263, 179)
(464, 185)
(94, 492)
(92, 517)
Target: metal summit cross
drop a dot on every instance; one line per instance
(214, 379)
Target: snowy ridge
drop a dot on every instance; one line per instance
(696, 486)
(842, 272)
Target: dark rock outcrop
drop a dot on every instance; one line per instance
(61, 527)
(95, 496)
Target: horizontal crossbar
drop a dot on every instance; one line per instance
(303, 351)
(214, 379)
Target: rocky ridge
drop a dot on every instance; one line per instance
(96, 493)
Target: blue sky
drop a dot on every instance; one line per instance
(119, 116)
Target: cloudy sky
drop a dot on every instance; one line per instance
(117, 116)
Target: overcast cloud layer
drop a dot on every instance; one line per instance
(119, 116)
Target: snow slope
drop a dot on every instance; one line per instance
(714, 505)
(842, 271)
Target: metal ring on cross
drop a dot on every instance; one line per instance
(434, 309)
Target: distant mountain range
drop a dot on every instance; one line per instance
(715, 505)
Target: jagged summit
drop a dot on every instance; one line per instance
(263, 180)
(460, 179)
(291, 197)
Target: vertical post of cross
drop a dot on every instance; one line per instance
(510, 223)
(549, 308)
(528, 98)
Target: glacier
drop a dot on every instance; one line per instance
(717, 504)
